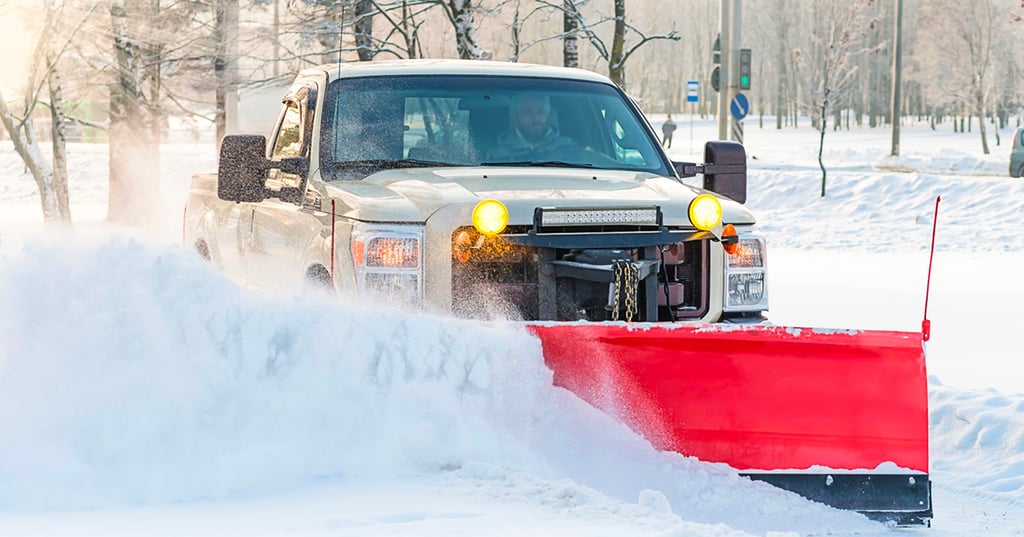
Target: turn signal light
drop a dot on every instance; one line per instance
(730, 239)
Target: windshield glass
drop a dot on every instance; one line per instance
(375, 123)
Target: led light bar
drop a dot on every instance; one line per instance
(593, 216)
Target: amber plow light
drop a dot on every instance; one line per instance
(462, 247)
(705, 212)
(730, 239)
(490, 217)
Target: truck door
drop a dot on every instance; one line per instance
(283, 226)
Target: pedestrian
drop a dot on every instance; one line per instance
(667, 128)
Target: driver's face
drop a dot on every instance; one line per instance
(532, 119)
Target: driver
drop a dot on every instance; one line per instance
(531, 129)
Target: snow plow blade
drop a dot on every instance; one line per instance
(839, 417)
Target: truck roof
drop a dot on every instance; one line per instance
(453, 67)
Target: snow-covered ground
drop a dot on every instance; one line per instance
(144, 394)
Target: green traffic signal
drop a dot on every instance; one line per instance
(744, 68)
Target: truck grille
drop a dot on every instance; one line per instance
(497, 275)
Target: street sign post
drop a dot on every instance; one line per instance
(692, 96)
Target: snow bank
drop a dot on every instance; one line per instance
(140, 375)
(135, 374)
(887, 212)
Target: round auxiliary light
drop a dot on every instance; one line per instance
(705, 212)
(490, 217)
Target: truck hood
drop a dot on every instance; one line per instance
(414, 194)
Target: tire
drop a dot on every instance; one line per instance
(203, 250)
(318, 280)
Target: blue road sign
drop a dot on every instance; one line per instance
(692, 91)
(739, 106)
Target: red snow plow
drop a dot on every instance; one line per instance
(839, 417)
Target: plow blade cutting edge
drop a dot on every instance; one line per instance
(839, 417)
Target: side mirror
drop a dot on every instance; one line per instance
(241, 171)
(725, 169)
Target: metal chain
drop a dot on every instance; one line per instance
(627, 279)
(632, 277)
(618, 287)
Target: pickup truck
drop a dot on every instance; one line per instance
(481, 189)
(541, 194)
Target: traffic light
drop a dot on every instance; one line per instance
(716, 58)
(744, 68)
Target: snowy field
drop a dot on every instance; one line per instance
(144, 394)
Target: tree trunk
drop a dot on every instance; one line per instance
(32, 155)
(225, 67)
(152, 57)
(980, 102)
(821, 139)
(461, 13)
(570, 44)
(60, 153)
(616, 69)
(134, 173)
(364, 30)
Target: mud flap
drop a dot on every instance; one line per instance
(774, 402)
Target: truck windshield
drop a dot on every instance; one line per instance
(373, 123)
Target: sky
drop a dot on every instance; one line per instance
(147, 394)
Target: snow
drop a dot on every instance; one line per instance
(147, 394)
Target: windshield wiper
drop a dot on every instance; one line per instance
(391, 164)
(541, 163)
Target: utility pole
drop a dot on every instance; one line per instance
(734, 62)
(897, 75)
(725, 77)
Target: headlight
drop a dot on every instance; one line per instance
(745, 285)
(388, 260)
(705, 212)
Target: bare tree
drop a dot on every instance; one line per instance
(403, 21)
(363, 25)
(225, 64)
(966, 37)
(618, 53)
(570, 25)
(838, 40)
(134, 153)
(51, 176)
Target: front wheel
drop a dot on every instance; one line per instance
(318, 280)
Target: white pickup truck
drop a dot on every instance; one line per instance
(481, 189)
(541, 194)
